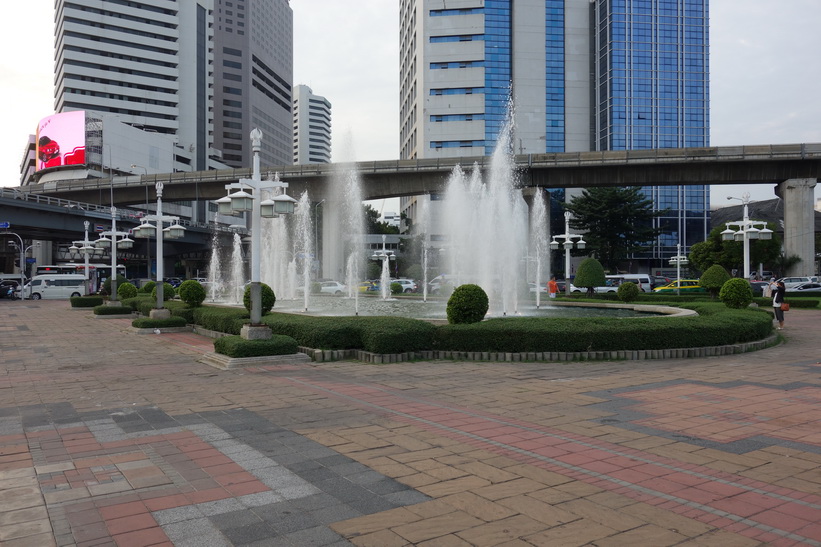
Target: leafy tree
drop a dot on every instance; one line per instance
(590, 274)
(714, 278)
(373, 225)
(617, 222)
(730, 254)
(736, 293)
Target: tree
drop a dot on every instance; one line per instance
(590, 274)
(617, 222)
(373, 225)
(714, 278)
(730, 254)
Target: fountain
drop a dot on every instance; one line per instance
(214, 267)
(236, 282)
(539, 240)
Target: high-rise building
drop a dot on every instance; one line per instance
(583, 75)
(312, 127)
(147, 64)
(253, 74)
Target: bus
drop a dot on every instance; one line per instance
(97, 273)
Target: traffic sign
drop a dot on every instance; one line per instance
(31, 260)
(5, 225)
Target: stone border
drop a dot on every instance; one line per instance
(163, 330)
(223, 362)
(117, 316)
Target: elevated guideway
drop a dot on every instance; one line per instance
(765, 164)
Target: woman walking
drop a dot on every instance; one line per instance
(778, 302)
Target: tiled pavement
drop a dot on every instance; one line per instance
(108, 437)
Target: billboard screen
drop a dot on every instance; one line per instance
(61, 140)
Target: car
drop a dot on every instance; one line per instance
(7, 288)
(790, 282)
(368, 286)
(683, 286)
(542, 287)
(435, 284)
(659, 281)
(811, 287)
(758, 287)
(332, 287)
(173, 281)
(408, 285)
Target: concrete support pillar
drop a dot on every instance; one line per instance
(799, 223)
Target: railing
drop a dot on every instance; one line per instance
(103, 211)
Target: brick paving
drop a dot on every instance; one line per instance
(108, 437)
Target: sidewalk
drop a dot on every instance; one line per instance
(112, 438)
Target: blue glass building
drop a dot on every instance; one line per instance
(584, 75)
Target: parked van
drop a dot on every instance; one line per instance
(55, 286)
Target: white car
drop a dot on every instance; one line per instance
(806, 287)
(791, 282)
(332, 287)
(542, 287)
(408, 285)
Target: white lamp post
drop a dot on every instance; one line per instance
(569, 241)
(241, 201)
(87, 249)
(746, 230)
(146, 230)
(678, 261)
(111, 243)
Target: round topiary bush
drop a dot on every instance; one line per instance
(590, 274)
(713, 279)
(168, 292)
(396, 288)
(192, 293)
(467, 304)
(106, 288)
(736, 293)
(267, 298)
(148, 287)
(628, 291)
(126, 290)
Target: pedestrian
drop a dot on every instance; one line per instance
(552, 287)
(778, 303)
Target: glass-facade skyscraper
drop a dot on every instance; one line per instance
(583, 74)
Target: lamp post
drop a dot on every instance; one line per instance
(22, 260)
(678, 261)
(87, 249)
(146, 230)
(746, 230)
(569, 241)
(241, 201)
(111, 243)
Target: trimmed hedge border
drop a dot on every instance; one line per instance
(86, 301)
(113, 310)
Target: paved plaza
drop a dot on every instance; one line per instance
(110, 437)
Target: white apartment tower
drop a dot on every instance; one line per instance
(312, 127)
(148, 64)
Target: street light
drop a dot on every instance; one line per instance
(173, 231)
(87, 249)
(679, 260)
(241, 201)
(746, 230)
(568, 244)
(23, 251)
(111, 243)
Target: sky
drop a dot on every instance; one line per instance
(764, 65)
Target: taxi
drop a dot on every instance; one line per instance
(683, 286)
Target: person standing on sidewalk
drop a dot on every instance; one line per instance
(778, 301)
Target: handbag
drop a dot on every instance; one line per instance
(785, 307)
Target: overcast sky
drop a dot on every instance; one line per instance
(765, 75)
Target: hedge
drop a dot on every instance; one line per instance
(227, 320)
(148, 323)
(236, 346)
(86, 301)
(112, 310)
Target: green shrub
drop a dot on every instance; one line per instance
(148, 323)
(86, 301)
(168, 292)
(126, 290)
(589, 275)
(736, 293)
(396, 288)
(148, 287)
(227, 320)
(628, 291)
(415, 271)
(467, 304)
(106, 288)
(136, 302)
(236, 346)
(267, 298)
(112, 310)
(713, 279)
(192, 293)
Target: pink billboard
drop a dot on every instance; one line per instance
(61, 140)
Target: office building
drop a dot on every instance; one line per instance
(253, 74)
(583, 74)
(312, 127)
